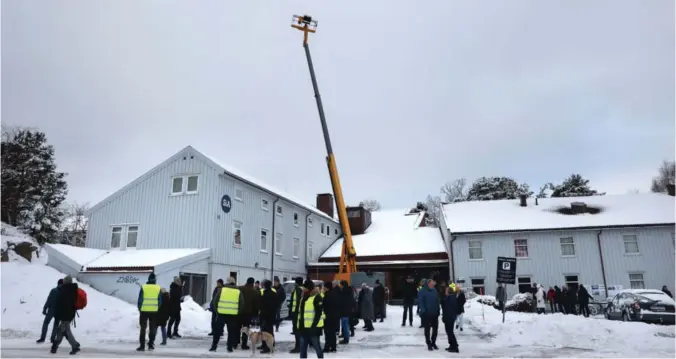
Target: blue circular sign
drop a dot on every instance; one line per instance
(226, 203)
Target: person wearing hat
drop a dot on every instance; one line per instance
(281, 296)
(449, 316)
(461, 307)
(310, 319)
(64, 312)
(228, 302)
(214, 314)
(379, 301)
(149, 302)
(48, 312)
(175, 297)
(294, 304)
(410, 293)
(250, 309)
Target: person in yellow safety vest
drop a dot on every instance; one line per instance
(310, 320)
(227, 302)
(263, 289)
(294, 304)
(149, 301)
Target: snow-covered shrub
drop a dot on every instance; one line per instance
(521, 302)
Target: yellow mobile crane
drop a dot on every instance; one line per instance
(348, 256)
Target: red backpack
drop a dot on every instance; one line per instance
(80, 299)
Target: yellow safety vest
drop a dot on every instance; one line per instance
(309, 314)
(263, 289)
(228, 303)
(419, 288)
(151, 293)
(294, 299)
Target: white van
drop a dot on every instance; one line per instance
(289, 285)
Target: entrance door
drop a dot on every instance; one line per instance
(195, 286)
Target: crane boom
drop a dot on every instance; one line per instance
(348, 264)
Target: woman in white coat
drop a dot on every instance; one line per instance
(541, 299)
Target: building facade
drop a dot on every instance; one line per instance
(191, 201)
(629, 244)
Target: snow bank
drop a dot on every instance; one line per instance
(25, 287)
(570, 331)
(79, 255)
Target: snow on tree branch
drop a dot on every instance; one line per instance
(371, 205)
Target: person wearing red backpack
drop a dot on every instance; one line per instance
(64, 312)
(149, 302)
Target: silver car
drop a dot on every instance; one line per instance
(289, 285)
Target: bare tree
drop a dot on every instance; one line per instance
(370, 204)
(665, 177)
(75, 225)
(433, 206)
(455, 191)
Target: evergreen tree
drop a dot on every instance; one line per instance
(32, 189)
(493, 188)
(574, 186)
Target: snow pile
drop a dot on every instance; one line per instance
(25, 287)
(11, 234)
(571, 331)
(485, 300)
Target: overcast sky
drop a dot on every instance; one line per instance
(415, 93)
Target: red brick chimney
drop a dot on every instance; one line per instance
(325, 203)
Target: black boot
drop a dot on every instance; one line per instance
(151, 346)
(53, 349)
(344, 341)
(141, 349)
(75, 350)
(41, 340)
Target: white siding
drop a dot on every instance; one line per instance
(546, 264)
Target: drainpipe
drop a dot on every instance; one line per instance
(306, 235)
(274, 234)
(453, 238)
(603, 269)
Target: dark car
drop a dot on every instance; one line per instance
(642, 305)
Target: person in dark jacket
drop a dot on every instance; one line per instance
(294, 304)
(214, 314)
(332, 312)
(565, 298)
(268, 314)
(666, 291)
(250, 308)
(572, 300)
(551, 298)
(449, 317)
(309, 334)
(175, 298)
(346, 304)
(558, 298)
(428, 308)
(281, 295)
(149, 304)
(64, 312)
(227, 315)
(378, 301)
(410, 293)
(366, 307)
(461, 307)
(163, 315)
(583, 297)
(48, 312)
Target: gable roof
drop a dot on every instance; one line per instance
(231, 171)
(508, 216)
(393, 232)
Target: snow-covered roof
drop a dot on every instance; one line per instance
(79, 255)
(393, 232)
(507, 215)
(141, 257)
(380, 263)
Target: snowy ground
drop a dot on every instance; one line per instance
(108, 327)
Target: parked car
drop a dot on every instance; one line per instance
(288, 288)
(642, 305)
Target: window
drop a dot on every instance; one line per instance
(478, 286)
(636, 281)
(184, 184)
(295, 219)
(309, 221)
(278, 243)
(475, 250)
(192, 184)
(239, 194)
(177, 185)
(296, 247)
(265, 205)
(310, 254)
(279, 210)
(336, 231)
(132, 236)
(328, 230)
(567, 246)
(237, 233)
(521, 248)
(233, 275)
(322, 228)
(117, 236)
(264, 240)
(572, 282)
(630, 244)
(285, 279)
(524, 284)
